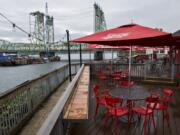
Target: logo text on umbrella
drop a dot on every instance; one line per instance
(117, 35)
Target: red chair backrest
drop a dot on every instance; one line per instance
(126, 84)
(124, 73)
(151, 103)
(108, 68)
(99, 72)
(167, 91)
(96, 90)
(111, 101)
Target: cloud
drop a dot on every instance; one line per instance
(77, 15)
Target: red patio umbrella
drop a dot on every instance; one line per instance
(131, 34)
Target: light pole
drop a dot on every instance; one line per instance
(69, 55)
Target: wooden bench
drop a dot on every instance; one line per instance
(77, 106)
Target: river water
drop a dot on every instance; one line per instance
(15, 75)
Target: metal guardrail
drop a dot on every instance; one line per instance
(53, 125)
(18, 104)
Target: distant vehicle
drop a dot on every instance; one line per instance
(45, 59)
(6, 60)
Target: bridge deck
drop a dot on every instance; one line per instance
(32, 127)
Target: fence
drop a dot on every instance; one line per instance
(137, 70)
(18, 104)
(177, 68)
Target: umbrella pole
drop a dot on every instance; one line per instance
(129, 77)
(111, 60)
(80, 53)
(112, 54)
(90, 56)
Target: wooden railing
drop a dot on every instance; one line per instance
(53, 125)
(18, 104)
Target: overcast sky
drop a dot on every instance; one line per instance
(77, 15)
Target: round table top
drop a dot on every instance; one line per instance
(134, 93)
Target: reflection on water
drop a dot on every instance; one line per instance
(13, 76)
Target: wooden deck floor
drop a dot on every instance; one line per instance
(96, 127)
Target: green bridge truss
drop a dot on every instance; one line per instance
(6, 46)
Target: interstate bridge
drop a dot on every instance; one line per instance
(41, 35)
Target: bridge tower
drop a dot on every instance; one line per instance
(50, 29)
(42, 28)
(37, 27)
(99, 19)
(99, 25)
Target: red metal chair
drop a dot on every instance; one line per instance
(116, 78)
(108, 68)
(114, 111)
(99, 72)
(167, 91)
(163, 104)
(124, 74)
(126, 84)
(101, 76)
(146, 111)
(109, 71)
(100, 100)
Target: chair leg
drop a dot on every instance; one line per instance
(149, 123)
(139, 118)
(97, 106)
(167, 116)
(167, 119)
(145, 125)
(129, 119)
(152, 115)
(106, 119)
(115, 125)
(163, 121)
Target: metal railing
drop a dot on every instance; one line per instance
(53, 125)
(137, 70)
(177, 68)
(18, 104)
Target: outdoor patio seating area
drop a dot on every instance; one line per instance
(121, 102)
(122, 116)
